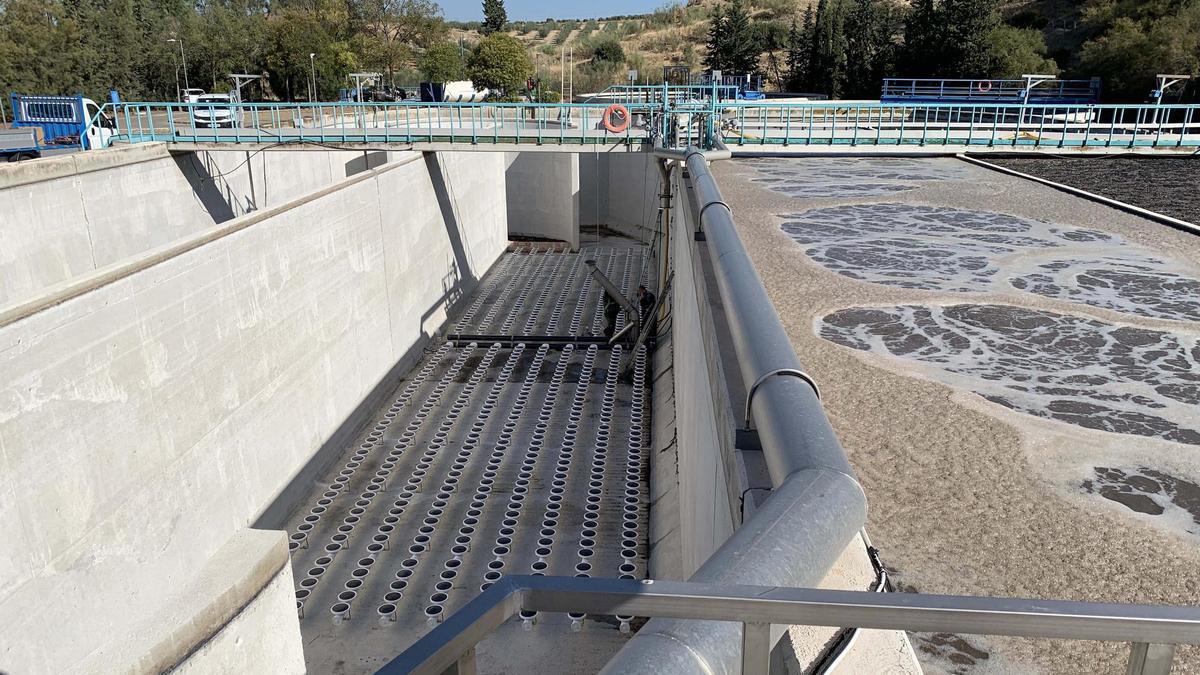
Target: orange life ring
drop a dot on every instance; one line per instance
(984, 86)
(621, 113)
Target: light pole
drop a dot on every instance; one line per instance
(182, 58)
(312, 64)
(178, 96)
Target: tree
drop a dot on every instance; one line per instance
(870, 52)
(387, 33)
(442, 63)
(732, 44)
(827, 59)
(717, 45)
(1017, 51)
(797, 52)
(1135, 41)
(967, 29)
(922, 55)
(609, 52)
(494, 17)
(499, 62)
(743, 46)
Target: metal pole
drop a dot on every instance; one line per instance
(183, 57)
(312, 64)
(178, 95)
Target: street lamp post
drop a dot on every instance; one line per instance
(178, 95)
(312, 64)
(183, 58)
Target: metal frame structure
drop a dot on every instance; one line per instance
(1153, 631)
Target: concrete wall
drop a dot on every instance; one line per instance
(67, 216)
(149, 413)
(619, 190)
(702, 416)
(543, 195)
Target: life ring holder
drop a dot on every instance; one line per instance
(984, 86)
(620, 112)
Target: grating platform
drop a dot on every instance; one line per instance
(488, 460)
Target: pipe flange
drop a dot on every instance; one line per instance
(791, 372)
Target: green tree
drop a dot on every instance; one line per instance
(442, 63)
(1017, 51)
(1135, 41)
(869, 48)
(388, 33)
(828, 56)
(499, 62)
(717, 55)
(494, 17)
(743, 45)
(967, 30)
(610, 52)
(924, 41)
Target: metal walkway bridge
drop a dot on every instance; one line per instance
(673, 119)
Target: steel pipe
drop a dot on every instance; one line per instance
(817, 505)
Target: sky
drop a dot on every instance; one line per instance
(536, 10)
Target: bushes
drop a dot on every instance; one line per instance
(609, 51)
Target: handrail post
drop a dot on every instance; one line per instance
(1150, 659)
(756, 648)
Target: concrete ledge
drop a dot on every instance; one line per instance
(227, 583)
(62, 166)
(60, 293)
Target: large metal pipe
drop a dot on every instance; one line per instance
(817, 505)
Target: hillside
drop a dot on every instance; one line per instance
(669, 36)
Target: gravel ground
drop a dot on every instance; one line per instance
(1167, 185)
(967, 496)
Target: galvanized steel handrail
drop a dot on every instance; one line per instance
(869, 123)
(1153, 630)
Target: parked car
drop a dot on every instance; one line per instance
(190, 95)
(214, 111)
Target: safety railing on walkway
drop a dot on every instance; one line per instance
(398, 122)
(1152, 631)
(678, 115)
(897, 89)
(1016, 126)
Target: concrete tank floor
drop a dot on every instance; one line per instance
(487, 460)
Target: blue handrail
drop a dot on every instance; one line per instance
(671, 117)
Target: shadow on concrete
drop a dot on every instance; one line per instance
(456, 285)
(462, 275)
(302, 485)
(213, 193)
(365, 161)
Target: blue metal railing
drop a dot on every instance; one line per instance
(400, 122)
(988, 91)
(829, 123)
(678, 116)
(655, 94)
